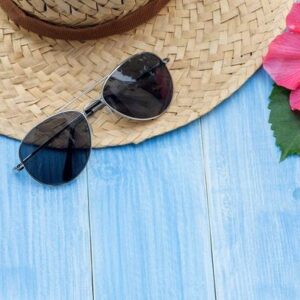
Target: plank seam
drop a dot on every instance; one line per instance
(90, 233)
(208, 209)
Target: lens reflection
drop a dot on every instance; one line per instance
(57, 150)
(140, 88)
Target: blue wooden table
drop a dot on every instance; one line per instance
(205, 212)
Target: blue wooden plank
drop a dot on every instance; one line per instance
(44, 236)
(253, 200)
(149, 222)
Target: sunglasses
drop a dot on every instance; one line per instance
(57, 150)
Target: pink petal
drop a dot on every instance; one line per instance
(293, 18)
(295, 100)
(282, 61)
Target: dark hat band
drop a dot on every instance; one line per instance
(130, 21)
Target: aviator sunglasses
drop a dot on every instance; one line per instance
(57, 150)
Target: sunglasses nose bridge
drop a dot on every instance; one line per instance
(93, 106)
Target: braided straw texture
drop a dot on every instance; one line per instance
(79, 13)
(213, 46)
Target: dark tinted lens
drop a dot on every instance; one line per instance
(140, 88)
(57, 150)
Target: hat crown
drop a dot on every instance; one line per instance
(79, 13)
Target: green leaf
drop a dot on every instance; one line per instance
(285, 122)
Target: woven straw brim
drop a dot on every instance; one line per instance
(213, 46)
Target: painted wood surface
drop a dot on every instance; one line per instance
(253, 200)
(44, 236)
(205, 212)
(149, 220)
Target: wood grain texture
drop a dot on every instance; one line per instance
(44, 236)
(253, 200)
(149, 221)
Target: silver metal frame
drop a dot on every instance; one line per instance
(94, 106)
(164, 60)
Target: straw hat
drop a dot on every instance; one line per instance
(213, 46)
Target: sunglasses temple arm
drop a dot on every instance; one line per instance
(99, 81)
(19, 167)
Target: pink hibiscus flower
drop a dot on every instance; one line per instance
(282, 61)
